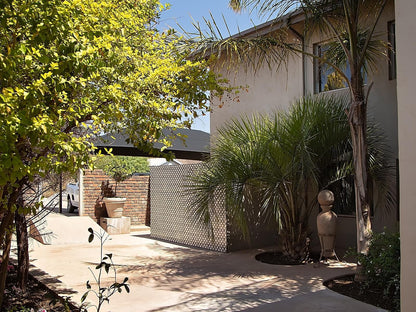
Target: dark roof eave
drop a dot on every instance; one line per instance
(195, 145)
(132, 151)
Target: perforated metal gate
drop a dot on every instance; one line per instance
(169, 210)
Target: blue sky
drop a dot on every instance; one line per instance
(183, 12)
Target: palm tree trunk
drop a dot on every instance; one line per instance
(358, 126)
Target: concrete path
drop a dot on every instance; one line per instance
(168, 277)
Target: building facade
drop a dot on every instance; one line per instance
(269, 88)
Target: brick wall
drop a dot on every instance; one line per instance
(135, 189)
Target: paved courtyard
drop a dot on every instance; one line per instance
(168, 277)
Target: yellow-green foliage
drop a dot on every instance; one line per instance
(69, 69)
(122, 167)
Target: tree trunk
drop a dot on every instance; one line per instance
(358, 127)
(5, 224)
(10, 195)
(5, 263)
(22, 251)
(6, 240)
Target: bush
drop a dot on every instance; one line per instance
(120, 168)
(381, 266)
(117, 166)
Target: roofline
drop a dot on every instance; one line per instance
(259, 30)
(195, 145)
(265, 28)
(133, 151)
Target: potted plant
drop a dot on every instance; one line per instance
(118, 169)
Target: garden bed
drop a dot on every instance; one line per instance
(345, 285)
(37, 297)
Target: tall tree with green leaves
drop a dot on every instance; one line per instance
(71, 69)
(353, 47)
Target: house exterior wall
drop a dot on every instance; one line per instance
(406, 69)
(382, 105)
(134, 189)
(267, 90)
(270, 90)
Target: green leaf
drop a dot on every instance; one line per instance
(99, 266)
(84, 296)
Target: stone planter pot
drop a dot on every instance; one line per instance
(114, 206)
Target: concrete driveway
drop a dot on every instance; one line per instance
(168, 277)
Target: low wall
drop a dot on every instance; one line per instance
(171, 218)
(134, 189)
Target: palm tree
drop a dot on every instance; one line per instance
(354, 48)
(268, 166)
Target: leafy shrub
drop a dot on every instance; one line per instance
(381, 266)
(120, 168)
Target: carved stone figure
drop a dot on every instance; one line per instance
(326, 223)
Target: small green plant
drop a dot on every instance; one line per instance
(120, 168)
(102, 293)
(381, 266)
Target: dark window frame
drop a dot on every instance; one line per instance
(320, 79)
(391, 39)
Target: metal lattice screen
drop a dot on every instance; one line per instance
(169, 210)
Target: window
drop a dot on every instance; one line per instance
(326, 78)
(391, 28)
(344, 193)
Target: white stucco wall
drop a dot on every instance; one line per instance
(271, 90)
(383, 96)
(406, 69)
(267, 90)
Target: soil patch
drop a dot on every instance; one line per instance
(346, 286)
(37, 297)
(274, 257)
(278, 258)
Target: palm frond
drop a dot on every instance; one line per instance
(268, 165)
